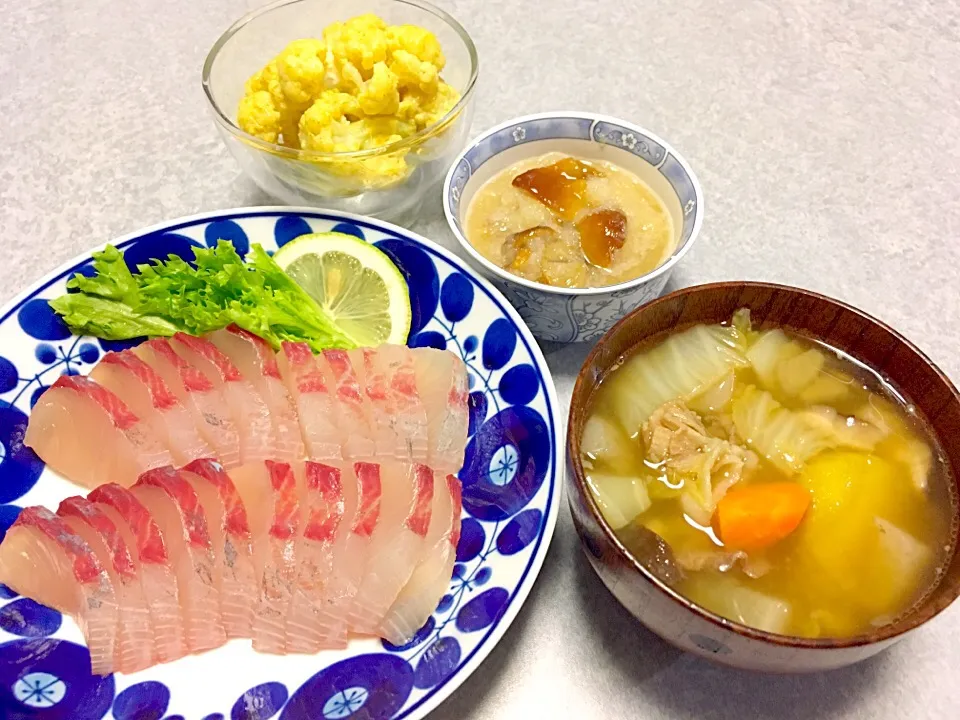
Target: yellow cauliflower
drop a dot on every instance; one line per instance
(300, 72)
(380, 95)
(364, 85)
(418, 42)
(269, 119)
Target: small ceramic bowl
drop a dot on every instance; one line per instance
(577, 314)
(668, 613)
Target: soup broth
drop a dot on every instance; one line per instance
(794, 490)
(572, 223)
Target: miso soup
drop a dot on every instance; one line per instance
(793, 490)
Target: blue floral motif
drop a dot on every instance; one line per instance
(20, 468)
(290, 227)
(522, 530)
(456, 297)
(227, 230)
(38, 320)
(436, 664)
(26, 618)
(519, 385)
(421, 275)
(489, 460)
(143, 701)
(51, 679)
(157, 246)
(499, 342)
(483, 610)
(430, 338)
(260, 702)
(477, 411)
(8, 375)
(385, 681)
(348, 228)
(472, 540)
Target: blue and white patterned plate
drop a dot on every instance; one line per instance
(511, 495)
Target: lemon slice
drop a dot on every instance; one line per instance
(359, 286)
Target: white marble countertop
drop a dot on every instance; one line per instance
(826, 136)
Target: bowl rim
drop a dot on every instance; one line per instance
(577, 475)
(224, 120)
(502, 274)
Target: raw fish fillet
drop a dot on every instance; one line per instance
(271, 494)
(408, 416)
(251, 416)
(352, 551)
(431, 578)
(353, 414)
(232, 541)
(148, 396)
(198, 394)
(442, 385)
(396, 545)
(176, 509)
(160, 589)
(135, 646)
(76, 419)
(315, 406)
(42, 558)
(258, 364)
(330, 505)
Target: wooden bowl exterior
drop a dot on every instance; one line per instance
(672, 616)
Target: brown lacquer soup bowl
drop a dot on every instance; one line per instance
(666, 612)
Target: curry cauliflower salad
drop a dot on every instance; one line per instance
(364, 85)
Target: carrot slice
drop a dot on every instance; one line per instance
(755, 516)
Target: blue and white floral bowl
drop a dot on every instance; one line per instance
(576, 314)
(511, 496)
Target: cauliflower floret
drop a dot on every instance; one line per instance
(259, 116)
(379, 95)
(326, 126)
(360, 42)
(417, 41)
(413, 73)
(272, 120)
(301, 72)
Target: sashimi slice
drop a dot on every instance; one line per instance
(176, 508)
(89, 435)
(431, 578)
(250, 413)
(353, 419)
(145, 392)
(397, 543)
(442, 385)
(352, 550)
(315, 406)
(230, 534)
(258, 364)
(407, 413)
(374, 390)
(160, 589)
(272, 496)
(135, 635)
(198, 394)
(328, 501)
(42, 558)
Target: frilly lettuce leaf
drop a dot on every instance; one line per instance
(172, 295)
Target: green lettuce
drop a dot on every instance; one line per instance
(172, 295)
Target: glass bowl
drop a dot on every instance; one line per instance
(336, 180)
